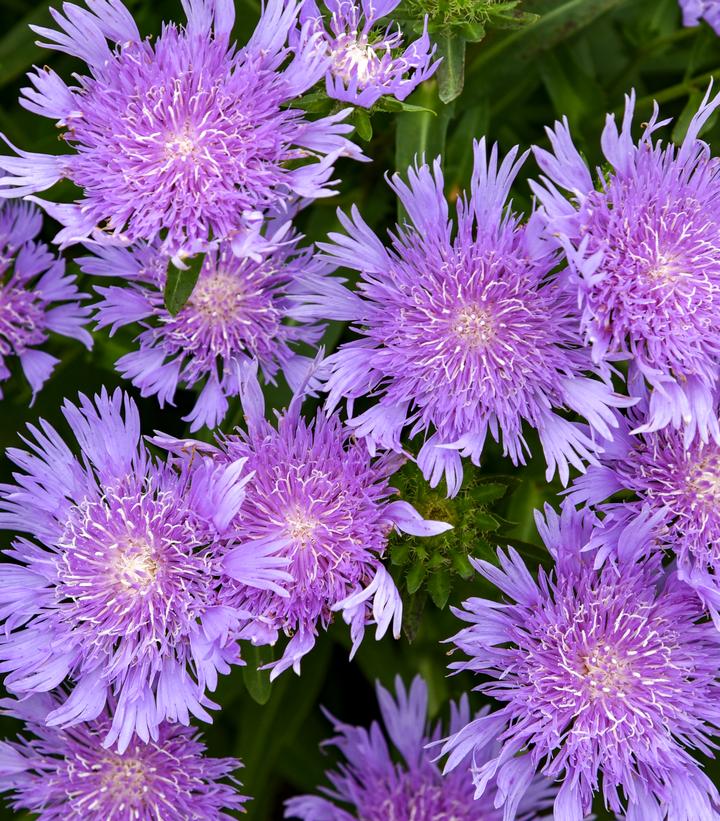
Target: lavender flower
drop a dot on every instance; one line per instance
(375, 788)
(117, 588)
(677, 496)
(318, 501)
(462, 331)
(188, 138)
(68, 774)
(695, 10)
(240, 309)
(607, 680)
(643, 249)
(35, 297)
(366, 63)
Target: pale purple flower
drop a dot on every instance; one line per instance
(367, 62)
(69, 774)
(677, 496)
(116, 590)
(694, 11)
(608, 679)
(36, 297)
(188, 138)
(241, 309)
(643, 246)
(375, 784)
(463, 330)
(319, 501)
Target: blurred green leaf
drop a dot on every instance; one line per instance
(451, 72)
(181, 282)
(257, 681)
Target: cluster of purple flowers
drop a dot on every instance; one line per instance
(133, 579)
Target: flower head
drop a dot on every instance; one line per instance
(695, 10)
(240, 309)
(643, 246)
(375, 787)
(463, 330)
(116, 590)
(607, 679)
(185, 139)
(366, 63)
(36, 297)
(321, 503)
(676, 505)
(69, 774)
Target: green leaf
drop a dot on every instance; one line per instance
(400, 554)
(415, 577)
(451, 72)
(488, 492)
(485, 520)
(180, 283)
(257, 681)
(391, 104)
(363, 125)
(439, 589)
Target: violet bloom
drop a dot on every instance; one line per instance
(677, 494)
(36, 297)
(318, 501)
(695, 10)
(376, 785)
(607, 679)
(187, 138)
(643, 246)
(463, 330)
(116, 590)
(240, 309)
(366, 62)
(68, 774)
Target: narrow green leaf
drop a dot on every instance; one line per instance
(257, 681)
(363, 125)
(488, 492)
(415, 577)
(180, 283)
(439, 589)
(485, 520)
(451, 72)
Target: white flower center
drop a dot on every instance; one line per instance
(607, 673)
(180, 146)
(125, 778)
(217, 296)
(136, 565)
(301, 527)
(355, 59)
(474, 326)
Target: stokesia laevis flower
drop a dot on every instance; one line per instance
(68, 774)
(463, 330)
(366, 62)
(186, 139)
(694, 11)
(116, 590)
(677, 502)
(240, 309)
(643, 246)
(375, 785)
(36, 297)
(607, 679)
(320, 502)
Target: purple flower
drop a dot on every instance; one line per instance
(240, 309)
(187, 138)
(318, 501)
(695, 10)
(68, 774)
(676, 504)
(36, 297)
(608, 678)
(643, 246)
(117, 587)
(367, 63)
(375, 786)
(463, 330)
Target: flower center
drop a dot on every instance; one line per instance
(355, 59)
(703, 479)
(474, 326)
(136, 565)
(180, 146)
(301, 527)
(125, 778)
(21, 320)
(607, 672)
(217, 296)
